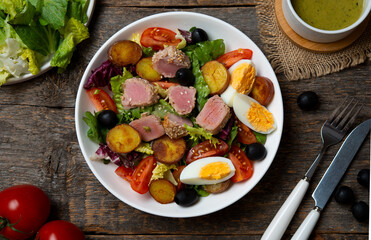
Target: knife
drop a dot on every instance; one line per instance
(332, 176)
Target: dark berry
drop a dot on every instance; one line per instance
(344, 195)
(107, 119)
(256, 151)
(308, 100)
(363, 177)
(360, 211)
(199, 35)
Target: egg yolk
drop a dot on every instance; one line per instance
(243, 78)
(259, 117)
(215, 171)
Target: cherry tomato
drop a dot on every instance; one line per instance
(142, 175)
(206, 149)
(157, 37)
(101, 99)
(59, 230)
(230, 58)
(176, 175)
(243, 166)
(244, 133)
(23, 209)
(165, 85)
(125, 173)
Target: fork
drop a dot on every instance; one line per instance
(332, 132)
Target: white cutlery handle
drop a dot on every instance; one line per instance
(307, 226)
(283, 217)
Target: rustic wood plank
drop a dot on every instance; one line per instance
(179, 3)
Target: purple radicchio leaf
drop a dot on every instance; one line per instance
(187, 35)
(130, 158)
(224, 133)
(105, 152)
(101, 76)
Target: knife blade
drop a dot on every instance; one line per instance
(332, 177)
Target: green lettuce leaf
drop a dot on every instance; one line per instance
(93, 132)
(54, 12)
(12, 7)
(32, 61)
(116, 86)
(77, 9)
(144, 148)
(25, 17)
(261, 138)
(232, 135)
(74, 33)
(200, 54)
(198, 134)
(4, 75)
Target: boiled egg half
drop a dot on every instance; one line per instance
(242, 79)
(253, 114)
(210, 170)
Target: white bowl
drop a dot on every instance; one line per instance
(120, 188)
(318, 35)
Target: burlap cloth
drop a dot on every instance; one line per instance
(297, 63)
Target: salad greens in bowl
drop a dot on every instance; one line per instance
(179, 114)
(37, 35)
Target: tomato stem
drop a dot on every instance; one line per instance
(4, 222)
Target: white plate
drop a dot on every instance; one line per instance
(46, 65)
(233, 39)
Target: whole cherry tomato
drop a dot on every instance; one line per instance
(23, 209)
(59, 230)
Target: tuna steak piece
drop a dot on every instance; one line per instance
(169, 60)
(174, 126)
(182, 99)
(138, 92)
(149, 127)
(214, 116)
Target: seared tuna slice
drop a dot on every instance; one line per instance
(138, 92)
(214, 115)
(169, 60)
(149, 127)
(174, 126)
(182, 99)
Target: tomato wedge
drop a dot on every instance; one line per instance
(142, 175)
(165, 85)
(206, 149)
(230, 58)
(101, 99)
(125, 173)
(157, 38)
(244, 133)
(243, 165)
(176, 175)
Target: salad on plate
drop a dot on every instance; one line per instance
(179, 116)
(33, 32)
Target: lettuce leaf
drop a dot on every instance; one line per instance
(77, 9)
(196, 134)
(26, 16)
(12, 7)
(144, 148)
(32, 61)
(96, 133)
(4, 75)
(116, 86)
(200, 54)
(54, 12)
(74, 33)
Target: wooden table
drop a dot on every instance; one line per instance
(38, 143)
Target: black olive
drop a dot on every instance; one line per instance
(256, 151)
(186, 197)
(185, 77)
(360, 211)
(107, 119)
(344, 195)
(363, 177)
(199, 35)
(308, 100)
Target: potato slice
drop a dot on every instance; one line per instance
(144, 69)
(167, 150)
(262, 90)
(218, 187)
(162, 191)
(125, 52)
(123, 138)
(216, 76)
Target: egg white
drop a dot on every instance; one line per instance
(229, 94)
(190, 174)
(241, 104)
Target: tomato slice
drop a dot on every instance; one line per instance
(206, 149)
(243, 165)
(230, 58)
(176, 175)
(244, 133)
(157, 38)
(101, 99)
(165, 85)
(142, 175)
(125, 173)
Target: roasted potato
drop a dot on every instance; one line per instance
(167, 150)
(125, 52)
(123, 138)
(218, 187)
(262, 90)
(216, 76)
(162, 191)
(144, 69)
